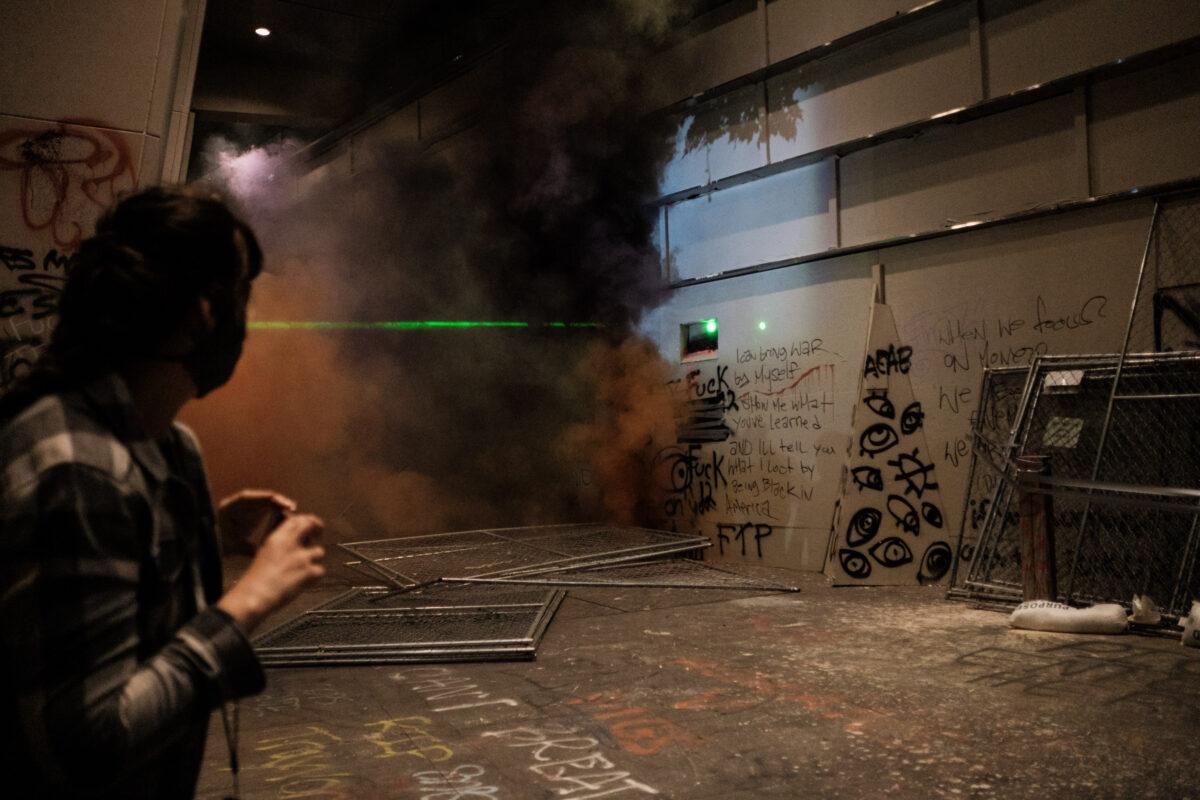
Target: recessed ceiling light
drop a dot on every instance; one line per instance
(261, 31)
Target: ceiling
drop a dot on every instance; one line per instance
(328, 61)
(325, 60)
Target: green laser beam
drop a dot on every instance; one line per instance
(404, 325)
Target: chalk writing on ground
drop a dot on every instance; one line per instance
(571, 764)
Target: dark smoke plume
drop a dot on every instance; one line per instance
(537, 213)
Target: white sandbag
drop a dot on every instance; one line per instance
(1145, 610)
(1191, 626)
(1046, 615)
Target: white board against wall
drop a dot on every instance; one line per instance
(889, 529)
(764, 488)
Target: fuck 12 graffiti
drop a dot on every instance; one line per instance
(694, 478)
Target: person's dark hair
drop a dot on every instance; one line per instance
(131, 285)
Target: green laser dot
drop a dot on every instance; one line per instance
(762, 326)
(711, 326)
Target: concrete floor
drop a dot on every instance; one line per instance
(847, 693)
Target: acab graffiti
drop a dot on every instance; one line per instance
(889, 523)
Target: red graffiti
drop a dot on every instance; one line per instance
(66, 173)
(633, 728)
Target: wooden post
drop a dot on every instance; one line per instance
(1036, 509)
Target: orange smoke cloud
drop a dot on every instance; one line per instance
(634, 419)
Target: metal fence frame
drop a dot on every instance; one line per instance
(1174, 241)
(384, 652)
(609, 576)
(527, 538)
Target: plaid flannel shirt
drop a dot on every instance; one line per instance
(113, 657)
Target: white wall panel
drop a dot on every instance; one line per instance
(57, 179)
(170, 57)
(794, 26)
(998, 297)
(150, 161)
(658, 239)
(720, 139)
(993, 166)
(724, 44)
(987, 298)
(1034, 42)
(1145, 126)
(55, 182)
(688, 163)
(81, 60)
(767, 220)
(911, 74)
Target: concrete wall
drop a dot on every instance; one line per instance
(86, 102)
(808, 176)
(995, 296)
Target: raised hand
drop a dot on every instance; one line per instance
(288, 561)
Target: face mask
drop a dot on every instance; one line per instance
(213, 359)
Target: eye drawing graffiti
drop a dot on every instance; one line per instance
(878, 402)
(876, 439)
(863, 526)
(892, 552)
(935, 563)
(854, 563)
(932, 514)
(868, 478)
(905, 515)
(914, 472)
(912, 418)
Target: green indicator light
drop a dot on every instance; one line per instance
(762, 326)
(711, 326)
(404, 325)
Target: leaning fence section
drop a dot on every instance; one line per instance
(992, 428)
(1120, 450)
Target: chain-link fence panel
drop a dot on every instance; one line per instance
(374, 626)
(1120, 430)
(438, 596)
(1060, 411)
(1000, 394)
(419, 561)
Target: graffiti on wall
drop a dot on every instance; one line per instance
(55, 179)
(28, 306)
(753, 439)
(889, 527)
(64, 174)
